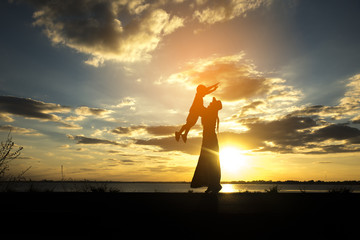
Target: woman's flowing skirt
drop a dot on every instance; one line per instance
(207, 172)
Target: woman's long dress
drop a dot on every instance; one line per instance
(207, 172)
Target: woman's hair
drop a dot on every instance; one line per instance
(216, 105)
(219, 107)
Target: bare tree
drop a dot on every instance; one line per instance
(7, 154)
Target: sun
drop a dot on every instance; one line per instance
(232, 159)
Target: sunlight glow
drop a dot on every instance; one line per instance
(228, 188)
(232, 159)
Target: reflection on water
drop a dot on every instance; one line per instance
(88, 186)
(228, 188)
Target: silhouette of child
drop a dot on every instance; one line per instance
(196, 110)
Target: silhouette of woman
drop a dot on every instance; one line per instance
(207, 172)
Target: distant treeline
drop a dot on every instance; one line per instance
(350, 182)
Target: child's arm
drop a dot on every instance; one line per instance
(211, 88)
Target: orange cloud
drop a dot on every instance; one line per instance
(220, 11)
(238, 79)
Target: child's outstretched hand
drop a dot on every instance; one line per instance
(215, 85)
(212, 88)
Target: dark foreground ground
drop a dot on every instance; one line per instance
(182, 215)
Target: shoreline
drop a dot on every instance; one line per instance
(255, 215)
(176, 187)
(349, 182)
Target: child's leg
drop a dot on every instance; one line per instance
(185, 127)
(178, 134)
(184, 136)
(190, 121)
(182, 128)
(187, 130)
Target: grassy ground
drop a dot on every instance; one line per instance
(182, 215)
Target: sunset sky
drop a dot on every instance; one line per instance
(100, 87)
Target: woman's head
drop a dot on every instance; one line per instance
(215, 104)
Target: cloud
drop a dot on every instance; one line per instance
(87, 111)
(87, 140)
(20, 130)
(169, 144)
(32, 109)
(267, 118)
(348, 106)
(250, 107)
(42, 111)
(6, 117)
(337, 132)
(69, 125)
(125, 31)
(307, 129)
(284, 132)
(238, 79)
(154, 130)
(299, 135)
(356, 120)
(220, 11)
(174, 169)
(127, 101)
(116, 162)
(288, 134)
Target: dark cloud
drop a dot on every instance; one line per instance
(165, 168)
(342, 148)
(162, 130)
(169, 144)
(125, 31)
(309, 110)
(356, 121)
(348, 106)
(19, 130)
(30, 108)
(153, 130)
(126, 130)
(286, 135)
(251, 106)
(87, 111)
(308, 130)
(337, 132)
(334, 112)
(34, 109)
(87, 140)
(116, 162)
(280, 135)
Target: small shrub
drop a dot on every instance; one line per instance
(342, 190)
(273, 189)
(7, 154)
(99, 189)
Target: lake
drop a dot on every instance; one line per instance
(88, 186)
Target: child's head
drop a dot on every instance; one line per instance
(201, 89)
